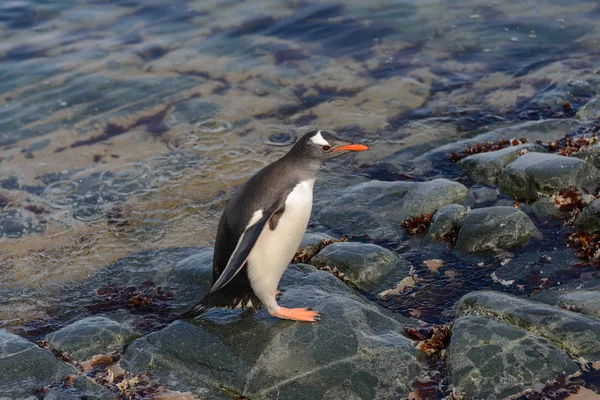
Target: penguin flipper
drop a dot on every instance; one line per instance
(239, 256)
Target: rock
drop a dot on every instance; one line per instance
(479, 195)
(589, 111)
(485, 167)
(195, 269)
(494, 229)
(584, 301)
(537, 268)
(90, 336)
(535, 173)
(312, 243)
(589, 219)
(446, 220)
(489, 359)
(423, 162)
(82, 388)
(591, 157)
(355, 351)
(364, 264)
(576, 334)
(26, 366)
(378, 208)
(545, 207)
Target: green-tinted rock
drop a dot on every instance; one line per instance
(25, 366)
(575, 333)
(535, 173)
(312, 243)
(92, 335)
(487, 359)
(356, 349)
(590, 110)
(494, 229)
(589, 219)
(485, 167)
(364, 264)
(378, 208)
(446, 220)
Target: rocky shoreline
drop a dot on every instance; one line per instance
(510, 339)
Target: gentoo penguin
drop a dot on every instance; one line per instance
(262, 227)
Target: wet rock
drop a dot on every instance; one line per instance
(589, 219)
(479, 195)
(535, 173)
(489, 359)
(545, 207)
(378, 208)
(583, 301)
(592, 157)
(82, 388)
(26, 366)
(485, 167)
(578, 335)
(355, 351)
(424, 162)
(589, 111)
(536, 268)
(312, 243)
(364, 264)
(195, 269)
(446, 220)
(494, 229)
(90, 336)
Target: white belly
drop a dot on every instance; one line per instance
(274, 249)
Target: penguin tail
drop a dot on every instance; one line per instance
(194, 311)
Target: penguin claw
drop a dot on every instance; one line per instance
(297, 314)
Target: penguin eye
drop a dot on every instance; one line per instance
(326, 148)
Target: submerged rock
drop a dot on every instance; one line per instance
(589, 219)
(378, 208)
(575, 333)
(485, 167)
(535, 173)
(494, 229)
(489, 359)
(591, 110)
(25, 367)
(90, 336)
(355, 351)
(364, 264)
(446, 220)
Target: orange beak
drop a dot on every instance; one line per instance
(352, 147)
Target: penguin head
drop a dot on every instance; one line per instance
(320, 146)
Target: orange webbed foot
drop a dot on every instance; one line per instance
(297, 314)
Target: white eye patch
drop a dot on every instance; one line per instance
(318, 139)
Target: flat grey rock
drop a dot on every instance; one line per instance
(355, 351)
(25, 367)
(485, 167)
(446, 220)
(577, 334)
(378, 208)
(489, 359)
(90, 336)
(534, 173)
(494, 229)
(365, 265)
(589, 219)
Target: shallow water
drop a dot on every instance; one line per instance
(124, 125)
